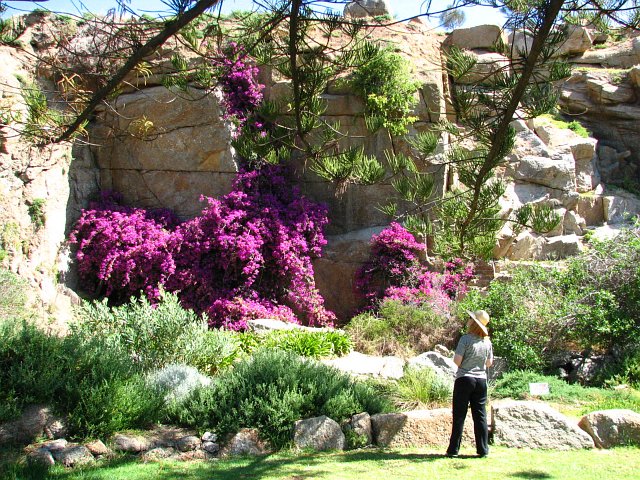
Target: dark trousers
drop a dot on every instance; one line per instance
(469, 390)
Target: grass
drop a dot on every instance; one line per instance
(406, 464)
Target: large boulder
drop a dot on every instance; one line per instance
(527, 424)
(359, 364)
(132, 443)
(620, 207)
(625, 54)
(417, 428)
(35, 422)
(591, 208)
(479, 37)
(557, 172)
(527, 246)
(318, 433)
(578, 40)
(442, 366)
(367, 8)
(488, 68)
(190, 125)
(73, 455)
(610, 428)
(562, 246)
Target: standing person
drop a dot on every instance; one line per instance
(474, 354)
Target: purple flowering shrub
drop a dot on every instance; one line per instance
(248, 255)
(123, 250)
(238, 80)
(394, 272)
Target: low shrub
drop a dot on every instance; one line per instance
(527, 315)
(386, 85)
(100, 389)
(154, 336)
(308, 343)
(32, 369)
(515, 385)
(270, 391)
(398, 328)
(418, 388)
(13, 298)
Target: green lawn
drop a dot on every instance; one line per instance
(503, 463)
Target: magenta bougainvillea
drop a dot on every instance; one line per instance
(238, 80)
(122, 250)
(249, 254)
(394, 271)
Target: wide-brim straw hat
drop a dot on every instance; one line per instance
(481, 317)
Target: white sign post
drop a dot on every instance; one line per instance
(538, 389)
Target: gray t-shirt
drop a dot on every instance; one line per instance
(475, 352)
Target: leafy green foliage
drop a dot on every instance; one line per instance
(307, 343)
(13, 295)
(419, 388)
(10, 31)
(526, 316)
(388, 89)
(515, 385)
(153, 336)
(36, 212)
(591, 304)
(401, 329)
(270, 391)
(99, 388)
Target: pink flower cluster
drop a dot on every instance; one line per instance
(394, 271)
(123, 250)
(248, 255)
(242, 92)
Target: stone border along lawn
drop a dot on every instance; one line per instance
(406, 464)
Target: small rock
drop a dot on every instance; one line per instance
(55, 445)
(98, 448)
(360, 424)
(319, 433)
(211, 447)
(74, 455)
(246, 442)
(40, 457)
(209, 437)
(158, 453)
(188, 443)
(131, 443)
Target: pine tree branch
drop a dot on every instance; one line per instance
(170, 29)
(540, 39)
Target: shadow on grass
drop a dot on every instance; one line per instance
(289, 466)
(531, 474)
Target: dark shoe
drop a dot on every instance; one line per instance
(452, 455)
(483, 455)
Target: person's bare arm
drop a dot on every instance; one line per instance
(457, 359)
(489, 362)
